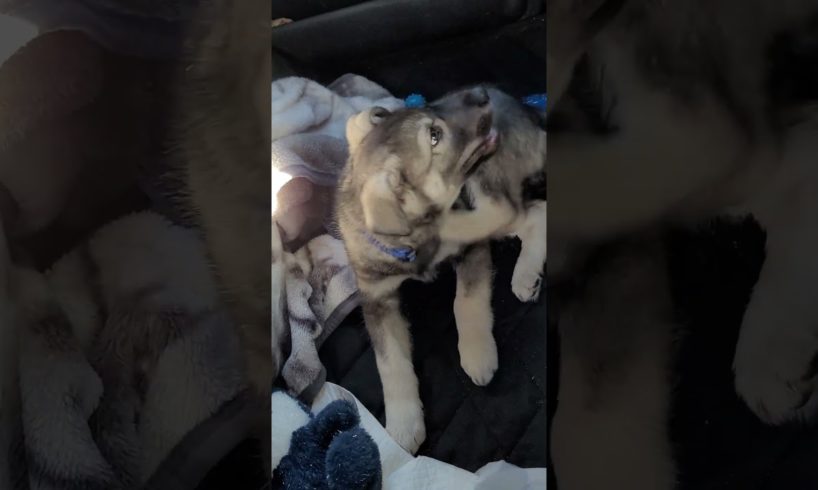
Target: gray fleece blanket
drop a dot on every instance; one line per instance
(124, 349)
(309, 150)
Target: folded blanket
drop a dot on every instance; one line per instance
(308, 131)
(309, 150)
(124, 349)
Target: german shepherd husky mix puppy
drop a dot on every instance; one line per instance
(405, 169)
(224, 148)
(405, 173)
(682, 109)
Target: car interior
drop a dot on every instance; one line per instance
(431, 47)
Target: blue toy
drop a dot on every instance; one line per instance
(537, 101)
(415, 101)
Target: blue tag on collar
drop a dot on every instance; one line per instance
(404, 254)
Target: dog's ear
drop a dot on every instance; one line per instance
(359, 125)
(382, 211)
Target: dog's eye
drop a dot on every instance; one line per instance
(435, 135)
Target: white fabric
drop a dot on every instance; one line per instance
(287, 417)
(402, 471)
(500, 474)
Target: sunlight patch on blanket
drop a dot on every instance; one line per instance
(279, 179)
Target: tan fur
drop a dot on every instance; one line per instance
(382, 211)
(224, 139)
(396, 192)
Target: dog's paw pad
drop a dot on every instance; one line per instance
(479, 359)
(525, 284)
(776, 377)
(407, 428)
(774, 399)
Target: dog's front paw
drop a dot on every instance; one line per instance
(775, 369)
(406, 426)
(776, 385)
(478, 357)
(525, 283)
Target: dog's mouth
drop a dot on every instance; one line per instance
(490, 142)
(484, 150)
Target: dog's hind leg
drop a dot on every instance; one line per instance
(473, 315)
(389, 333)
(610, 430)
(527, 277)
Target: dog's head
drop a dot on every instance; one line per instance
(409, 165)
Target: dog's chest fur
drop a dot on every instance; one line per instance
(375, 266)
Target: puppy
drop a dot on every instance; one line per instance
(411, 204)
(405, 170)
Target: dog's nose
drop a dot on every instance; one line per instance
(478, 96)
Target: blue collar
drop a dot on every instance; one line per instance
(404, 254)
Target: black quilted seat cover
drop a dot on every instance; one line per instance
(719, 444)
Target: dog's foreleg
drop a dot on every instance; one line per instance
(776, 352)
(527, 277)
(391, 341)
(473, 315)
(488, 219)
